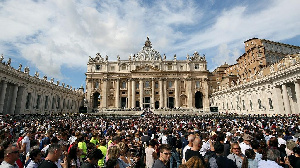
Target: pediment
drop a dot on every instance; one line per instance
(146, 68)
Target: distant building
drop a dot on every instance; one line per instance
(265, 80)
(147, 80)
(21, 93)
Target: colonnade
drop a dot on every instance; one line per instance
(158, 90)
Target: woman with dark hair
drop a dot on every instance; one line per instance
(35, 157)
(73, 158)
(249, 161)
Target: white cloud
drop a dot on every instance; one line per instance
(55, 33)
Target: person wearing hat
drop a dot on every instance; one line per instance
(246, 143)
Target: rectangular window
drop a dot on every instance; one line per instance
(170, 84)
(197, 84)
(181, 67)
(97, 85)
(169, 67)
(137, 93)
(147, 84)
(123, 85)
(156, 85)
(112, 68)
(196, 66)
(137, 86)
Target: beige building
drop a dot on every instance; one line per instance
(147, 80)
(21, 93)
(265, 80)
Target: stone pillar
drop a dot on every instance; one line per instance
(133, 87)
(141, 93)
(286, 101)
(13, 100)
(104, 94)
(278, 100)
(297, 90)
(117, 92)
(165, 93)
(161, 94)
(189, 94)
(19, 100)
(2, 95)
(177, 102)
(129, 93)
(153, 94)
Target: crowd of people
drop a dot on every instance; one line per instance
(149, 141)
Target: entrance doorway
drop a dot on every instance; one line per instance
(199, 100)
(156, 104)
(147, 102)
(123, 102)
(96, 100)
(171, 102)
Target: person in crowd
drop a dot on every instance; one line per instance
(11, 155)
(290, 144)
(236, 155)
(103, 149)
(191, 138)
(246, 143)
(255, 146)
(54, 152)
(164, 156)
(273, 159)
(193, 162)
(151, 154)
(195, 150)
(46, 140)
(249, 161)
(217, 159)
(93, 157)
(82, 145)
(73, 157)
(123, 153)
(35, 158)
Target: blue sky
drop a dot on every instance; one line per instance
(56, 37)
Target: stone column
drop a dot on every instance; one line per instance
(117, 92)
(165, 93)
(141, 93)
(104, 94)
(177, 102)
(189, 94)
(19, 100)
(133, 87)
(13, 100)
(153, 94)
(161, 94)
(129, 94)
(278, 100)
(286, 101)
(2, 95)
(297, 90)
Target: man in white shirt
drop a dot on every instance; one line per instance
(11, 155)
(26, 143)
(246, 143)
(191, 139)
